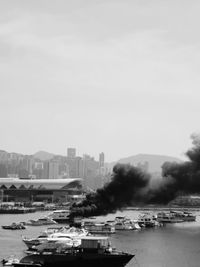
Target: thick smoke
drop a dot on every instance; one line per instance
(179, 177)
(130, 185)
(126, 187)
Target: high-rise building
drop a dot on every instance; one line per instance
(53, 170)
(71, 152)
(101, 159)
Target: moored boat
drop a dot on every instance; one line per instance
(184, 215)
(147, 220)
(60, 216)
(99, 228)
(14, 226)
(168, 217)
(93, 251)
(41, 221)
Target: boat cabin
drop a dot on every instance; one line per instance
(94, 243)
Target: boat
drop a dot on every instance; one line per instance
(124, 223)
(99, 227)
(147, 220)
(41, 221)
(14, 226)
(73, 233)
(184, 215)
(30, 242)
(9, 261)
(60, 216)
(93, 251)
(168, 217)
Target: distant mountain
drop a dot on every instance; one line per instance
(154, 161)
(43, 155)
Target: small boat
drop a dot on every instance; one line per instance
(14, 226)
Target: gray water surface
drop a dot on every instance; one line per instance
(174, 245)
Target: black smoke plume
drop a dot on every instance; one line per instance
(126, 187)
(130, 185)
(179, 177)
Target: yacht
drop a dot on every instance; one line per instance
(93, 251)
(147, 220)
(71, 233)
(60, 216)
(168, 217)
(99, 228)
(41, 221)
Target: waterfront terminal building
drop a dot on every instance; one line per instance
(32, 190)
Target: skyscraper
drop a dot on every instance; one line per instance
(101, 159)
(71, 152)
(53, 170)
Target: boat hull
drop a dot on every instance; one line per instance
(79, 260)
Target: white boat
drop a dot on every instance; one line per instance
(72, 233)
(31, 242)
(184, 215)
(99, 228)
(123, 223)
(41, 221)
(147, 220)
(167, 217)
(60, 216)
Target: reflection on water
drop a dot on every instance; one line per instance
(175, 245)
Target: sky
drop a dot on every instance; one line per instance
(118, 76)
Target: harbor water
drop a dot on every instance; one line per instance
(173, 245)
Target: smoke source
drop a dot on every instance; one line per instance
(126, 187)
(130, 185)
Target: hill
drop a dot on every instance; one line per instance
(43, 155)
(154, 161)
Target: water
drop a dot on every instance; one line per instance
(175, 245)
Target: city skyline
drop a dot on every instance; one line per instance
(113, 76)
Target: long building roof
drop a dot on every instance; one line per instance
(9, 183)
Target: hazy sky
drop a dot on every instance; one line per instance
(121, 77)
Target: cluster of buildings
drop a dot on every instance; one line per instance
(36, 177)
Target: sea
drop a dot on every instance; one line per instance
(173, 245)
